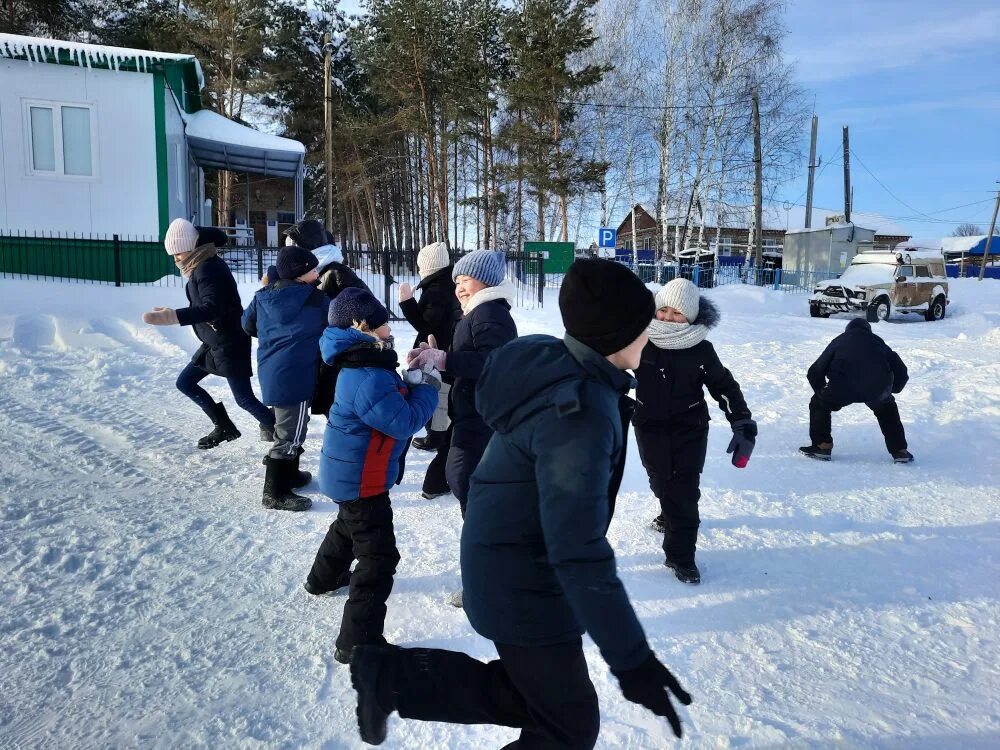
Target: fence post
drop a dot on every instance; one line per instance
(260, 264)
(540, 283)
(118, 260)
(385, 278)
(777, 278)
(696, 274)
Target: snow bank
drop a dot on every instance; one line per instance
(148, 601)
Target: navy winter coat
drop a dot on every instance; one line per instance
(374, 414)
(486, 328)
(857, 367)
(536, 566)
(215, 312)
(288, 318)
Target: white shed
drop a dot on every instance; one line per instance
(97, 140)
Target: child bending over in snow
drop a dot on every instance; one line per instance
(288, 317)
(671, 418)
(373, 417)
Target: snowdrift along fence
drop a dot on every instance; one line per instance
(120, 259)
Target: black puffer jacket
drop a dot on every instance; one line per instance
(672, 382)
(438, 310)
(216, 312)
(486, 328)
(537, 568)
(857, 367)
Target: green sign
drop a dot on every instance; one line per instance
(557, 255)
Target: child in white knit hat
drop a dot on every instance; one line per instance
(671, 417)
(434, 317)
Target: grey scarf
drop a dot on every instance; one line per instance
(666, 335)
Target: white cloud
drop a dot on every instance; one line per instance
(893, 42)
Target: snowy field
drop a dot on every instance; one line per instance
(146, 599)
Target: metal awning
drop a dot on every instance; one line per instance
(217, 142)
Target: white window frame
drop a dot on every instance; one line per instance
(57, 139)
(725, 246)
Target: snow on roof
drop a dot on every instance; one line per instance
(221, 143)
(41, 50)
(975, 244)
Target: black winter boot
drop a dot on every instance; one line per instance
(658, 524)
(430, 442)
(344, 580)
(300, 478)
(224, 430)
(902, 457)
(278, 494)
(685, 573)
(821, 452)
(373, 675)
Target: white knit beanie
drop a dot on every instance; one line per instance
(181, 237)
(431, 258)
(681, 295)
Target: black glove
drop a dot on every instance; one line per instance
(741, 446)
(646, 685)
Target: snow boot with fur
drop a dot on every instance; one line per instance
(300, 478)
(224, 430)
(278, 494)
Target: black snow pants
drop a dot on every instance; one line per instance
(460, 464)
(435, 480)
(674, 456)
(363, 532)
(543, 690)
(885, 409)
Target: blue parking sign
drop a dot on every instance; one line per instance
(607, 237)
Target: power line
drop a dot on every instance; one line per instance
(882, 184)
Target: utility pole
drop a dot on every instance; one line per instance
(812, 171)
(847, 177)
(328, 126)
(758, 184)
(989, 239)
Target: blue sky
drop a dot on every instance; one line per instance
(918, 82)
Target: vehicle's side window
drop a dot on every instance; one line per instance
(923, 272)
(906, 271)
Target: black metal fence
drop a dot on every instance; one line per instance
(119, 260)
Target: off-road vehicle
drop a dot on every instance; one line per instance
(878, 283)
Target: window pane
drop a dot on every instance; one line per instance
(76, 140)
(43, 152)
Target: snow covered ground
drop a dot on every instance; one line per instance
(146, 599)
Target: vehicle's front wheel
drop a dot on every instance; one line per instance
(878, 310)
(936, 309)
(815, 311)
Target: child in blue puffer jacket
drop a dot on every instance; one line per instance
(373, 417)
(288, 317)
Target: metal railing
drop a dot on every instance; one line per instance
(119, 260)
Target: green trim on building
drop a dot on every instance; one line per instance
(162, 168)
(91, 260)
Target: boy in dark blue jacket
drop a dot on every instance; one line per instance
(537, 568)
(373, 417)
(288, 317)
